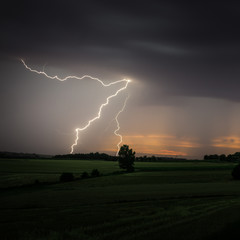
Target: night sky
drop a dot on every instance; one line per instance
(183, 59)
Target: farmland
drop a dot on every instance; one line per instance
(167, 200)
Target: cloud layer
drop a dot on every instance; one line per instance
(183, 58)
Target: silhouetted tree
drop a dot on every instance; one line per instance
(95, 173)
(206, 157)
(236, 172)
(222, 157)
(126, 158)
(66, 177)
(84, 175)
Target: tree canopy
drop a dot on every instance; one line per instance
(126, 158)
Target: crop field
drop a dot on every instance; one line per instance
(17, 172)
(167, 200)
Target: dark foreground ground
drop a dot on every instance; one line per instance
(158, 201)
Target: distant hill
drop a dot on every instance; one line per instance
(23, 155)
(85, 156)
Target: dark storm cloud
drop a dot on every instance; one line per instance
(179, 48)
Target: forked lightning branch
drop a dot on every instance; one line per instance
(98, 115)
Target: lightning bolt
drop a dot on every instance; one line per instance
(71, 77)
(98, 115)
(126, 81)
(118, 125)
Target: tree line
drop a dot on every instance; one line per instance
(106, 157)
(87, 156)
(16, 155)
(222, 157)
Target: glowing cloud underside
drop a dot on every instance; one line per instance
(125, 81)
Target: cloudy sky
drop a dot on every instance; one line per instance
(183, 59)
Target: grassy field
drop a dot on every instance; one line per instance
(185, 200)
(17, 172)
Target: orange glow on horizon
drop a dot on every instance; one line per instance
(227, 142)
(153, 144)
(146, 151)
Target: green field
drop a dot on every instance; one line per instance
(168, 200)
(17, 172)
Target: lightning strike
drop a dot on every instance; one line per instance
(98, 115)
(71, 77)
(127, 81)
(118, 125)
